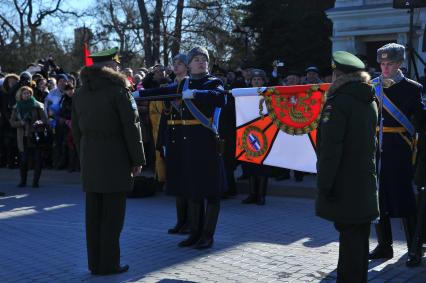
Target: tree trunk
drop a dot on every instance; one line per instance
(165, 46)
(178, 28)
(147, 44)
(156, 30)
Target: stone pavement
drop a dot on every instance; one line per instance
(42, 240)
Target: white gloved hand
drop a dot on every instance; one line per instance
(188, 94)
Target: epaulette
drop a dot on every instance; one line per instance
(414, 83)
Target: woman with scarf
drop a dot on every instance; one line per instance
(30, 120)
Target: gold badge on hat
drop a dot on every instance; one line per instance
(384, 55)
(116, 58)
(333, 66)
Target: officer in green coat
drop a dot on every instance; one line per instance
(346, 148)
(107, 134)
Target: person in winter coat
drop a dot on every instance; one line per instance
(346, 148)
(30, 120)
(107, 135)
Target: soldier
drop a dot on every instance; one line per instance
(107, 135)
(258, 174)
(399, 101)
(180, 68)
(346, 146)
(415, 252)
(194, 148)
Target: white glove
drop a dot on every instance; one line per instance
(188, 94)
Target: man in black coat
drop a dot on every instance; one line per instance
(346, 147)
(195, 167)
(415, 252)
(400, 102)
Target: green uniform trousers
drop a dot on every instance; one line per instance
(104, 222)
(353, 252)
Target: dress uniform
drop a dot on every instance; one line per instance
(419, 236)
(171, 111)
(400, 101)
(346, 147)
(107, 135)
(195, 167)
(258, 174)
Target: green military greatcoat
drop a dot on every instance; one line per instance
(346, 147)
(106, 131)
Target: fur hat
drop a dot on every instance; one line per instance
(198, 50)
(181, 57)
(258, 73)
(392, 52)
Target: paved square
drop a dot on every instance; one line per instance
(43, 240)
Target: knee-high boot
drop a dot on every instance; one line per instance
(23, 170)
(253, 190)
(409, 224)
(384, 249)
(415, 251)
(212, 215)
(263, 185)
(37, 167)
(181, 214)
(196, 216)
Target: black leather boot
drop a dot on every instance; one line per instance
(253, 191)
(23, 171)
(212, 214)
(409, 224)
(196, 216)
(415, 251)
(384, 249)
(37, 172)
(181, 213)
(263, 185)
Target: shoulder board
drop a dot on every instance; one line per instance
(414, 83)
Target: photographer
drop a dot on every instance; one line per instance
(69, 155)
(51, 106)
(30, 121)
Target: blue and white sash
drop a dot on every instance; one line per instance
(391, 108)
(212, 125)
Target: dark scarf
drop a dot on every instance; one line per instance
(25, 106)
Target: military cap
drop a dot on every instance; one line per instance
(258, 73)
(347, 62)
(106, 55)
(181, 57)
(198, 50)
(392, 52)
(312, 69)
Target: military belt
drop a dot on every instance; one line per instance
(184, 122)
(395, 130)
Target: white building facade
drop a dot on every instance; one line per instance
(362, 26)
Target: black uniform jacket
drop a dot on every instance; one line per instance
(396, 192)
(194, 167)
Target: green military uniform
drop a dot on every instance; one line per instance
(106, 131)
(346, 147)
